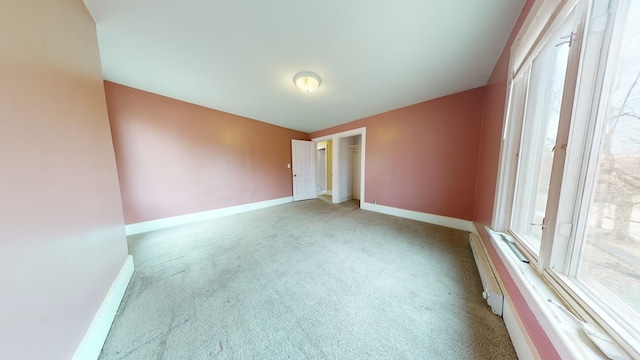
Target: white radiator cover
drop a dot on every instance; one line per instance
(491, 290)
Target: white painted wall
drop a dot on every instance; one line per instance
(336, 138)
(345, 164)
(349, 168)
(356, 167)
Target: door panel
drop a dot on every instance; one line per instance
(303, 155)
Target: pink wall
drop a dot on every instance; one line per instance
(177, 158)
(488, 161)
(423, 157)
(62, 239)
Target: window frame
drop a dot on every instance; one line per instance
(551, 13)
(585, 88)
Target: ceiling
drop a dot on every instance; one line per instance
(240, 56)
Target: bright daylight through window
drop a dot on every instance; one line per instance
(540, 125)
(610, 264)
(570, 171)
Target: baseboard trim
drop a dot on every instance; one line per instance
(94, 338)
(519, 337)
(158, 224)
(454, 223)
(517, 332)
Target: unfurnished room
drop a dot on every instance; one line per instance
(410, 179)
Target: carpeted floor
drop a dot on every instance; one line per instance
(306, 280)
(325, 198)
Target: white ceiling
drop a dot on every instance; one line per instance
(240, 56)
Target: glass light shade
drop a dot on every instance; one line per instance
(307, 81)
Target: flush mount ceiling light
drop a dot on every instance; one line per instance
(307, 81)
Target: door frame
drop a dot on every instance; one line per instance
(320, 192)
(335, 156)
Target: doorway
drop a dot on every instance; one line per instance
(347, 165)
(322, 170)
(349, 168)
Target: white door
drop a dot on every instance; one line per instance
(303, 158)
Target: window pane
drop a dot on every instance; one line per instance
(610, 267)
(539, 132)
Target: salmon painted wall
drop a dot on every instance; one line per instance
(176, 158)
(423, 157)
(62, 235)
(488, 162)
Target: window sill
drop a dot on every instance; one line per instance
(568, 338)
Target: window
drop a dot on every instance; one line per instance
(569, 188)
(545, 85)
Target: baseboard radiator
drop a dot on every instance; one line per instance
(491, 289)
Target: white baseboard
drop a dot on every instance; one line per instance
(492, 292)
(94, 338)
(158, 224)
(517, 332)
(454, 223)
(519, 337)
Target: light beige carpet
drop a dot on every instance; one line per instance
(306, 280)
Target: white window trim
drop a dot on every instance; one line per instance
(543, 15)
(542, 18)
(536, 281)
(564, 333)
